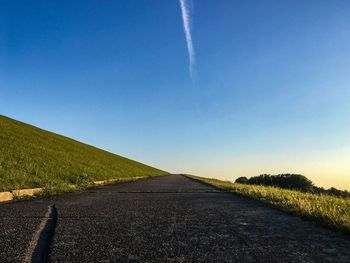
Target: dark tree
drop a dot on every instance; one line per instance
(292, 181)
(242, 180)
(289, 181)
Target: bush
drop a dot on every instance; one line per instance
(288, 181)
(331, 191)
(242, 180)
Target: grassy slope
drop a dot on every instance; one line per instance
(32, 157)
(330, 211)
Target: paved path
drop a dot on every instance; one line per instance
(166, 219)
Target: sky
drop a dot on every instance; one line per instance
(214, 88)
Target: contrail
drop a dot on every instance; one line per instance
(185, 10)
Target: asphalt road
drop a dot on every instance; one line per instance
(166, 219)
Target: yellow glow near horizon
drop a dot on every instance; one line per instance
(326, 168)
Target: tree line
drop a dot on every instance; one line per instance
(293, 182)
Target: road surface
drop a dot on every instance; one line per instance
(163, 219)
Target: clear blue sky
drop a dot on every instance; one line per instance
(271, 92)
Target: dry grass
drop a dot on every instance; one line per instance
(333, 212)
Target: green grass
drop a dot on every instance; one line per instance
(333, 212)
(31, 157)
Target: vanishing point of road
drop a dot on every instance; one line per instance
(162, 219)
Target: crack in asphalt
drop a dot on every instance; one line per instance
(39, 248)
(168, 219)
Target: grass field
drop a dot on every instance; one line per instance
(330, 211)
(31, 157)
